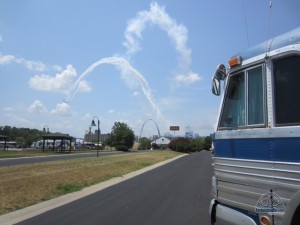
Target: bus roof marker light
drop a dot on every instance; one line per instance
(235, 61)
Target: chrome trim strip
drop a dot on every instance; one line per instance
(252, 133)
(256, 161)
(258, 175)
(256, 168)
(241, 182)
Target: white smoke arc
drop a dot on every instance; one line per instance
(126, 69)
(177, 33)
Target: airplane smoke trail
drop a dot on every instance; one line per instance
(177, 33)
(126, 70)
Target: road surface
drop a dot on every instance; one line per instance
(177, 193)
(39, 159)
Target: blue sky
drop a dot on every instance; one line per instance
(155, 60)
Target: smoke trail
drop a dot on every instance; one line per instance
(126, 69)
(177, 33)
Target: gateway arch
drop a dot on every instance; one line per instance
(158, 132)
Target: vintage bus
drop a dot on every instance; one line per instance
(256, 146)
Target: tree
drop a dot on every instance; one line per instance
(207, 143)
(197, 145)
(20, 141)
(122, 136)
(108, 141)
(28, 135)
(145, 143)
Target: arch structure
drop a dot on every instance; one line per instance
(155, 125)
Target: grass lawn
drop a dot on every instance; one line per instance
(34, 152)
(24, 153)
(25, 185)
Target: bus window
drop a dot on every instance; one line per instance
(244, 106)
(255, 96)
(287, 91)
(234, 107)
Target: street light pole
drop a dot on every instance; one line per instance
(98, 132)
(46, 131)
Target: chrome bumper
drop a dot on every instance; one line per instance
(222, 215)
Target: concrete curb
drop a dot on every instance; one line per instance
(34, 210)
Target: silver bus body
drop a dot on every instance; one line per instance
(256, 153)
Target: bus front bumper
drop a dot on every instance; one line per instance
(222, 215)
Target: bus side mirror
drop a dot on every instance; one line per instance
(220, 74)
(216, 90)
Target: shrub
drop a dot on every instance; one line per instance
(181, 145)
(154, 146)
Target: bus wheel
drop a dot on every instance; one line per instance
(296, 217)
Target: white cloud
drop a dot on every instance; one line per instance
(20, 120)
(61, 82)
(186, 78)
(62, 109)
(178, 34)
(87, 116)
(8, 109)
(9, 112)
(12, 116)
(171, 103)
(33, 65)
(136, 93)
(57, 68)
(6, 59)
(37, 66)
(110, 111)
(37, 107)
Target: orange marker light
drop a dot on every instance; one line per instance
(234, 61)
(264, 220)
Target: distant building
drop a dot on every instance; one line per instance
(93, 137)
(161, 142)
(189, 132)
(154, 137)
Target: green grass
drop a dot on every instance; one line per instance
(68, 188)
(24, 153)
(39, 152)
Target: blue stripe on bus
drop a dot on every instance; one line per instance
(271, 149)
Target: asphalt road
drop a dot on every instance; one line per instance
(39, 159)
(177, 193)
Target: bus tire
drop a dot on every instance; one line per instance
(296, 217)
